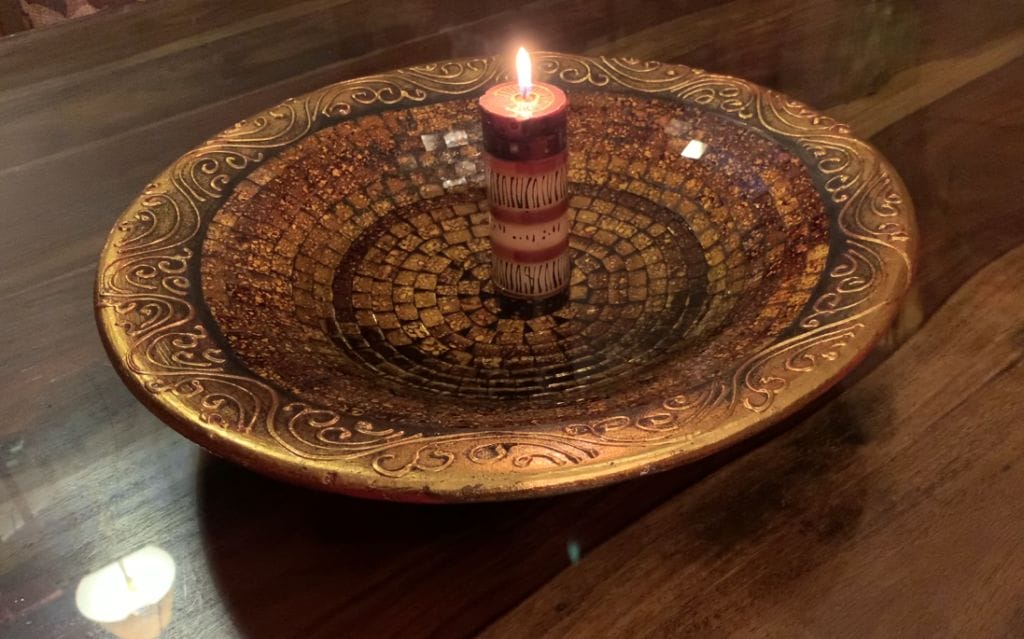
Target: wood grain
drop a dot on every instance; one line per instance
(12, 20)
(871, 517)
(917, 87)
(188, 54)
(893, 493)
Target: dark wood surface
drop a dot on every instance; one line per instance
(891, 507)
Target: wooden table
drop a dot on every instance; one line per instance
(891, 507)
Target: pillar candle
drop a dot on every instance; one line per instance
(524, 132)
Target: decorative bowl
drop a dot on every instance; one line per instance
(308, 293)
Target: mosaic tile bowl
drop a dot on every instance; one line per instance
(309, 292)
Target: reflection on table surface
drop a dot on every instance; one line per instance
(132, 596)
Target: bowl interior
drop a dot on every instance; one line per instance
(352, 269)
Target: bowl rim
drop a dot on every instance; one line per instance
(166, 347)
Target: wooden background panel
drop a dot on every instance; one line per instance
(154, 26)
(823, 51)
(956, 157)
(207, 64)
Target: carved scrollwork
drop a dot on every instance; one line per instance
(153, 317)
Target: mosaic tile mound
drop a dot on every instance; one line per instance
(355, 263)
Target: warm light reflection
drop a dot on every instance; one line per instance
(694, 150)
(131, 597)
(524, 71)
(24, 491)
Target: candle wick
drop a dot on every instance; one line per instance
(127, 578)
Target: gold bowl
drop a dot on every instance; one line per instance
(308, 293)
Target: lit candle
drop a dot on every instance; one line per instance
(131, 597)
(524, 127)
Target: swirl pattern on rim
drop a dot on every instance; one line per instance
(159, 334)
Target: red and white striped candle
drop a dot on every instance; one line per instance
(524, 127)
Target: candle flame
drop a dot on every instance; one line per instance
(524, 71)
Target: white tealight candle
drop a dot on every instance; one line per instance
(137, 584)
